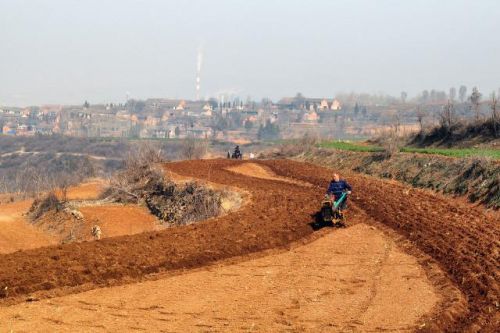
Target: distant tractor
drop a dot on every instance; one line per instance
(237, 153)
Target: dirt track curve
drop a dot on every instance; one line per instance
(463, 240)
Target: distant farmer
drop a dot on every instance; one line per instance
(228, 154)
(337, 187)
(237, 153)
(96, 232)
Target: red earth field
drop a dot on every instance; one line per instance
(18, 233)
(408, 260)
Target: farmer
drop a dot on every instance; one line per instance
(337, 187)
(237, 153)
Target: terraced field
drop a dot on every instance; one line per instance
(408, 260)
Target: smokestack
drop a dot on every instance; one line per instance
(198, 72)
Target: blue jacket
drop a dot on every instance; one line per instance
(336, 188)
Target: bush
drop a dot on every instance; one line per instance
(309, 140)
(269, 131)
(184, 204)
(140, 176)
(193, 149)
(45, 204)
(459, 134)
(391, 146)
(144, 182)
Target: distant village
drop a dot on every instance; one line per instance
(231, 120)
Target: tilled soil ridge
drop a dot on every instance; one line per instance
(263, 223)
(463, 239)
(352, 280)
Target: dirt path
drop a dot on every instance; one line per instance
(350, 280)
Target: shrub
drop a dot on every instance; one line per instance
(45, 204)
(184, 204)
(193, 149)
(144, 182)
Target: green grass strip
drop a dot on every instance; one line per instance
(350, 146)
(451, 152)
(455, 152)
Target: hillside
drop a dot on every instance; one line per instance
(484, 134)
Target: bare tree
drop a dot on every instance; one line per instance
(433, 95)
(425, 96)
(309, 140)
(494, 113)
(30, 181)
(462, 93)
(392, 139)
(475, 99)
(193, 149)
(447, 116)
(64, 182)
(420, 118)
(453, 94)
(141, 173)
(4, 185)
(404, 95)
(147, 152)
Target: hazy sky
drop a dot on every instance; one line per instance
(69, 51)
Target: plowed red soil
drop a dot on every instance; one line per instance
(262, 172)
(462, 239)
(351, 280)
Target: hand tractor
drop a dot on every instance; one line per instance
(332, 211)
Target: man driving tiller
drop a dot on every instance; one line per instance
(337, 188)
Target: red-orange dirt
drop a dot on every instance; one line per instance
(355, 279)
(86, 191)
(119, 220)
(462, 239)
(113, 220)
(260, 171)
(15, 231)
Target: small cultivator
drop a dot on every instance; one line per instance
(332, 211)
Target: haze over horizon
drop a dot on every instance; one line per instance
(68, 51)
